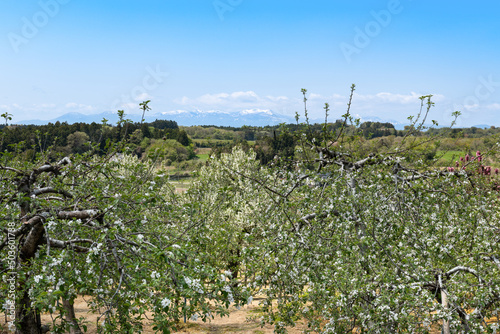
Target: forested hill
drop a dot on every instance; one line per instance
(72, 138)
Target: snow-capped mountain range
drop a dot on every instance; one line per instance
(250, 117)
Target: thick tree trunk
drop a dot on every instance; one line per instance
(27, 318)
(71, 317)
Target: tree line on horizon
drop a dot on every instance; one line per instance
(174, 143)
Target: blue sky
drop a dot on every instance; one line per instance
(88, 56)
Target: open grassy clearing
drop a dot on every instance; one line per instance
(203, 157)
(449, 156)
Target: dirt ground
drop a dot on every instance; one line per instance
(242, 321)
(237, 322)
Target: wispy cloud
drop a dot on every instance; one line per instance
(493, 106)
(240, 101)
(78, 107)
(385, 97)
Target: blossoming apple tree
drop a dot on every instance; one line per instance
(377, 243)
(110, 230)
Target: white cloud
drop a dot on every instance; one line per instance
(174, 112)
(245, 96)
(44, 105)
(386, 97)
(314, 96)
(77, 107)
(277, 98)
(325, 98)
(183, 100)
(212, 99)
(125, 106)
(234, 101)
(493, 106)
(224, 99)
(143, 97)
(256, 111)
(471, 106)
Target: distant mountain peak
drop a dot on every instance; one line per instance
(256, 111)
(251, 117)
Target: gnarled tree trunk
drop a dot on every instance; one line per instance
(27, 318)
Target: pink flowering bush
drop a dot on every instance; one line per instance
(467, 160)
(482, 170)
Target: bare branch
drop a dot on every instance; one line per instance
(64, 161)
(47, 168)
(54, 198)
(69, 244)
(48, 190)
(466, 269)
(17, 171)
(83, 214)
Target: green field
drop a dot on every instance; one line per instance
(449, 156)
(203, 157)
(203, 153)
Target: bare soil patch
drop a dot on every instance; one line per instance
(242, 321)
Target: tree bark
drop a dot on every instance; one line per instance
(70, 316)
(444, 302)
(27, 318)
